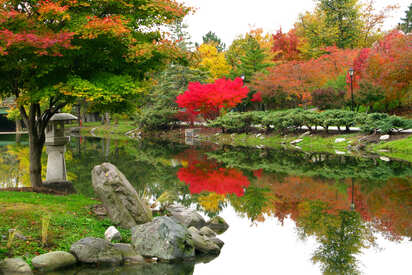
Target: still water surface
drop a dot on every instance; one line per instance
(289, 212)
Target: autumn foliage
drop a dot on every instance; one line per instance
(388, 65)
(209, 99)
(300, 78)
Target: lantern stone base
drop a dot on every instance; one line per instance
(56, 164)
(65, 187)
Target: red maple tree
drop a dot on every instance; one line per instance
(208, 99)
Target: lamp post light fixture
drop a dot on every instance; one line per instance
(351, 72)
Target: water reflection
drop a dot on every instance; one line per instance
(340, 201)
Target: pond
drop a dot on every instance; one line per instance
(290, 212)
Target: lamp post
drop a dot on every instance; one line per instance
(352, 205)
(351, 71)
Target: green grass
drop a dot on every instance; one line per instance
(400, 149)
(100, 130)
(71, 220)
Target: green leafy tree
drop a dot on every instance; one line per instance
(343, 15)
(406, 25)
(54, 52)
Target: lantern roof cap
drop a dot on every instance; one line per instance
(63, 116)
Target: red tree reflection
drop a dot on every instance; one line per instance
(206, 176)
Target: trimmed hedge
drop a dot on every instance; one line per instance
(293, 119)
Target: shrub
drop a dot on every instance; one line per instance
(234, 122)
(384, 123)
(291, 120)
(338, 118)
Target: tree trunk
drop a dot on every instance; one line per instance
(19, 127)
(36, 148)
(36, 123)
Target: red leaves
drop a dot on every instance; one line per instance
(388, 65)
(208, 99)
(285, 45)
(47, 44)
(257, 97)
(206, 176)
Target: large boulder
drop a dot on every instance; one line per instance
(203, 244)
(163, 238)
(96, 251)
(53, 261)
(186, 216)
(121, 200)
(15, 266)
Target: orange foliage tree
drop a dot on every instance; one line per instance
(300, 78)
(388, 65)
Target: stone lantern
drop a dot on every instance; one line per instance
(56, 147)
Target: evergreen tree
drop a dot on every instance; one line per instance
(253, 61)
(212, 38)
(406, 25)
(180, 35)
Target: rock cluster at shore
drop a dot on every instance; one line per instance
(181, 236)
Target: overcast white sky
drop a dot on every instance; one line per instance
(229, 18)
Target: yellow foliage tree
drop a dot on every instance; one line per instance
(213, 62)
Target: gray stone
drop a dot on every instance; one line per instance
(307, 133)
(385, 159)
(53, 261)
(15, 266)
(96, 251)
(121, 200)
(206, 231)
(163, 238)
(112, 234)
(186, 216)
(296, 141)
(202, 243)
(217, 241)
(385, 137)
(129, 254)
(218, 224)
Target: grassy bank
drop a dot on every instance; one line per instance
(99, 130)
(401, 149)
(70, 220)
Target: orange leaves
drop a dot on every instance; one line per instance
(50, 7)
(300, 78)
(111, 25)
(168, 8)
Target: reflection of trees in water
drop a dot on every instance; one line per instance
(14, 166)
(315, 190)
(341, 236)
